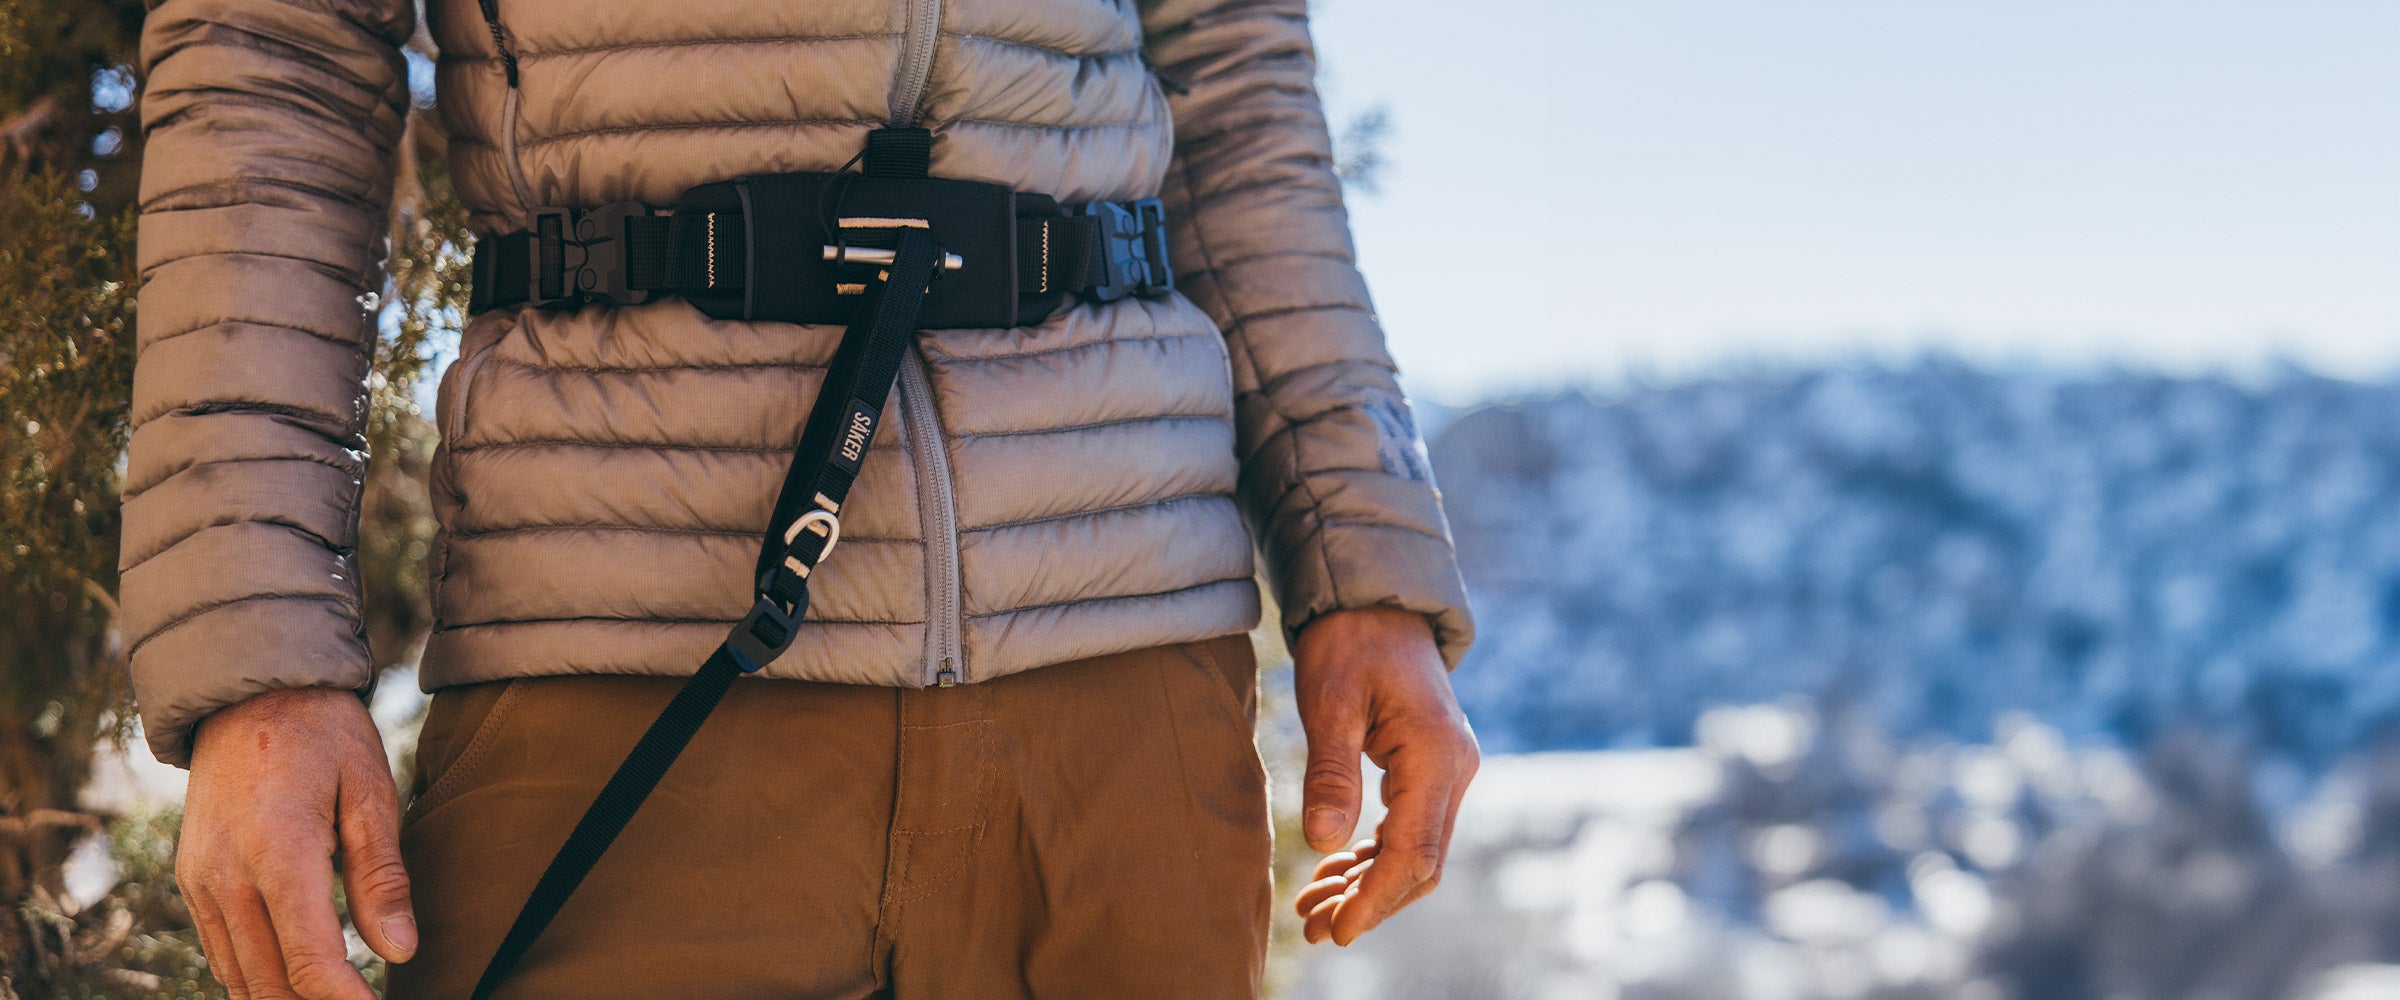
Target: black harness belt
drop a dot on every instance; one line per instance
(886, 252)
(802, 248)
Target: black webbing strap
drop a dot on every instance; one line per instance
(803, 529)
(627, 253)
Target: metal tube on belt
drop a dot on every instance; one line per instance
(881, 258)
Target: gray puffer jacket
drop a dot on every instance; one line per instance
(1040, 494)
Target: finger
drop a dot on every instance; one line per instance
(299, 902)
(1342, 861)
(1329, 797)
(1419, 788)
(1458, 794)
(1318, 893)
(1316, 925)
(1458, 799)
(1341, 929)
(215, 943)
(372, 875)
(254, 944)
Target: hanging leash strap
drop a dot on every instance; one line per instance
(803, 530)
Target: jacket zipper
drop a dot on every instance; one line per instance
(937, 507)
(916, 60)
(945, 659)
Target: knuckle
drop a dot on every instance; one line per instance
(317, 979)
(1333, 712)
(189, 874)
(275, 880)
(263, 856)
(1331, 776)
(384, 879)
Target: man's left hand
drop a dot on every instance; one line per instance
(1371, 681)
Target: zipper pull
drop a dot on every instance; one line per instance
(948, 677)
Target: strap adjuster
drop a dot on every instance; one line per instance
(579, 256)
(1132, 249)
(765, 632)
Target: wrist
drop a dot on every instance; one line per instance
(1380, 621)
(280, 708)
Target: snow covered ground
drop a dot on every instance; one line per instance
(1793, 857)
(1922, 680)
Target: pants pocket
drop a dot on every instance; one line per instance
(458, 733)
(1228, 666)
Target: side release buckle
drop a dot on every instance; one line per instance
(579, 256)
(1133, 249)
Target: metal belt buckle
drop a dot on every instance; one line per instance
(1133, 241)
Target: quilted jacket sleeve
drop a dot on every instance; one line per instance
(270, 126)
(1334, 473)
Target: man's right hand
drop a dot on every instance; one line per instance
(285, 788)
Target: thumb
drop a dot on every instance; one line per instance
(372, 875)
(1330, 792)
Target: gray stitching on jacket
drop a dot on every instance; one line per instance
(205, 407)
(213, 322)
(525, 57)
(1081, 514)
(226, 34)
(239, 195)
(955, 359)
(1278, 254)
(1050, 49)
(1281, 311)
(661, 620)
(178, 621)
(896, 623)
(135, 493)
(1093, 426)
(736, 449)
(557, 137)
(655, 369)
(1054, 127)
(1170, 592)
(743, 533)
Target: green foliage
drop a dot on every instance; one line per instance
(66, 94)
(66, 359)
(69, 172)
(426, 306)
(138, 940)
(67, 152)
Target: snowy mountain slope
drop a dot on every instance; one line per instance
(2114, 553)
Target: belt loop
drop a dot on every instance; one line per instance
(905, 153)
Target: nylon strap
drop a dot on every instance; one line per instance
(708, 252)
(824, 465)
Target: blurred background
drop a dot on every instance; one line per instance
(1928, 475)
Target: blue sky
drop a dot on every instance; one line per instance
(1584, 190)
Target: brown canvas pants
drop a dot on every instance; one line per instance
(1093, 829)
